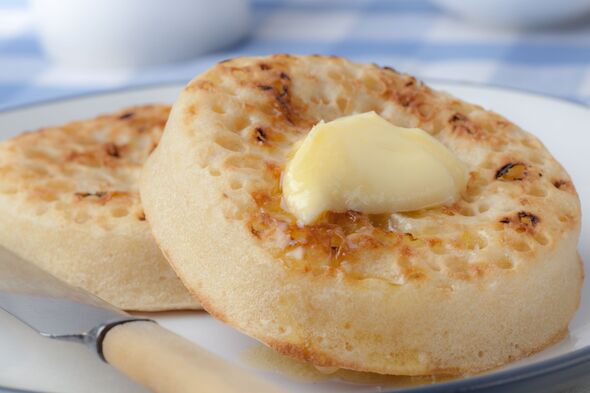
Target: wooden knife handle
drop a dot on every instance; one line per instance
(167, 363)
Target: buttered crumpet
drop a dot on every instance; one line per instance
(483, 272)
(69, 202)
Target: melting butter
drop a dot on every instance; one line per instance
(263, 358)
(364, 163)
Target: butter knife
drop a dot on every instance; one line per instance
(138, 347)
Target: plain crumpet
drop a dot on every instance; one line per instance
(452, 289)
(69, 202)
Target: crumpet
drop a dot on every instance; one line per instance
(451, 289)
(69, 203)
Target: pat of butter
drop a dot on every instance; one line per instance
(364, 163)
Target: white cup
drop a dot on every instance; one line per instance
(518, 13)
(115, 33)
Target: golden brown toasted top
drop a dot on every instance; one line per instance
(84, 172)
(245, 115)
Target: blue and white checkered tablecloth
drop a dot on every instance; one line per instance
(414, 36)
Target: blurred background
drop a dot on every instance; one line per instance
(58, 48)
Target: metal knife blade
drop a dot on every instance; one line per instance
(52, 307)
(145, 352)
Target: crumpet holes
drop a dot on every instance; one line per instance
(483, 207)
(438, 248)
(59, 185)
(48, 196)
(512, 171)
(459, 268)
(499, 226)
(520, 245)
(217, 108)
(372, 83)
(541, 238)
(244, 161)
(561, 184)
(119, 212)
(81, 217)
(36, 154)
(238, 123)
(425, 110)
(471, 241)
(342, 103)
(537, 191)
(504, 263)
(466, 211)
(235, 184)
(230, 142)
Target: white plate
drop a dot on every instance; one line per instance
(30, 362)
